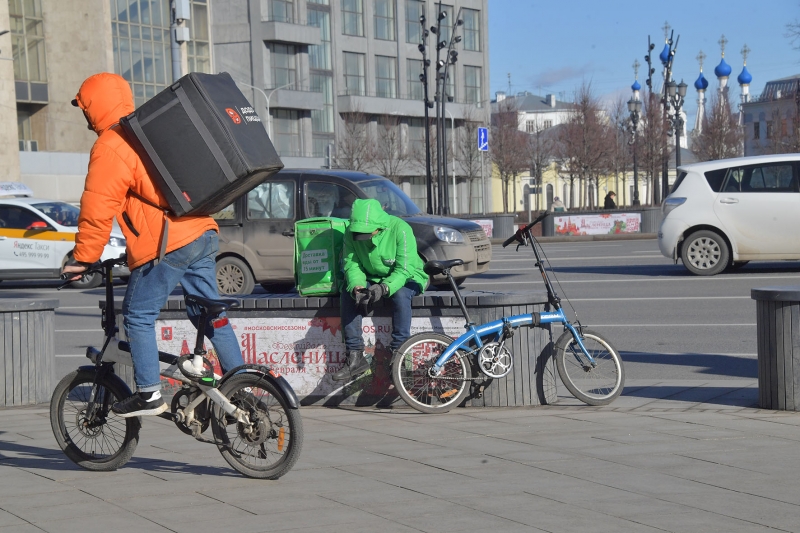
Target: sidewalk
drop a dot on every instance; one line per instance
(666, 456)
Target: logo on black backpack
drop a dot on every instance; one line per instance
(234, 115)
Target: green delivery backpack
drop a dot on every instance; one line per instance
(318, 244)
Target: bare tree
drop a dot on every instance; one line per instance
(390, 157)
(722, 136)
(416, 158)
(467, 154)
(793, 33)
(585, 142)
(651, 142)
(781, 138)
(508, 147)
(355, 146)
(620, 156)
(541, 150)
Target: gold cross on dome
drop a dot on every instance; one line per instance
(700, 58)
(745, 52)
(666, 27)
(636, 69)
(722, 42)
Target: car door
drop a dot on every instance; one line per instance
(270, 214)
(28, 243)
(759, 207)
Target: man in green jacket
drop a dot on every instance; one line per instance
(380, 261)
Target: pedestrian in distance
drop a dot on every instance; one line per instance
(380, 260)
(608, 202)
(118, 186)
(557, 205)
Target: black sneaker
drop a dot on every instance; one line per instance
(140, 404)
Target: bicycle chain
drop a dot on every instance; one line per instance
(445, 378)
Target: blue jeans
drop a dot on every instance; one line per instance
(149, 286)
(401, 318)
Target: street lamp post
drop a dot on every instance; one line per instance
(635, 109)
(423, 77)
(453, 136)
(266, 97)
(676, 94)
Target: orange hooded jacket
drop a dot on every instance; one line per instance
(114, 169)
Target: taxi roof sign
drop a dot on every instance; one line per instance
(14, 189)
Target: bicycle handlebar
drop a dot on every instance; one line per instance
(519, 236)
(96, 267)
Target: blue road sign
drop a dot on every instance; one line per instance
(483, 139)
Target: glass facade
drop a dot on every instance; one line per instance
(472, 29)
(416, 91)
(353, 17)
(286, 127)
(354, 75)
(414, 10)
(281, 11)
(27, 40)
(283, 65)
(321, 77)
(472, 85)
(386, 77)
(319, 55)
(384, 20)
(447, 22)
(140, 33)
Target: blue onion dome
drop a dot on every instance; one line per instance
(723, 70)
(744, 78)
(664, 55)
(701, 84)
(636, 85)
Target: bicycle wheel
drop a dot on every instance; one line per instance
(100, 442)
(420, 391)
(270, 445)
(593, 385)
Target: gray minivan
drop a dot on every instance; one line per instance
(257, 231)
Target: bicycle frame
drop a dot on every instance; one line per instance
(476, 336)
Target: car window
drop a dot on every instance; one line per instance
(228, 213)
(715, 178)
(762, 178)
(271, 200)
(328, 200)
(63, 213)
(16, 217)
(393, 200)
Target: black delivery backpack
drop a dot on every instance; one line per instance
(202, 143)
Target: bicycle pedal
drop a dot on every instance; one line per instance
(166, 415)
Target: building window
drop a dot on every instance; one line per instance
(199, 48)
(286, 124)
(784, 129)
(319, 55)
(414, 10)
(384, 20)
(416, 90)
(320, 2)
(281, 11)
(450, 89)
(385, 77)
(756, 130)
(472, 85)
(284, 66)
(447, 22)
(530, 126)
(769, 130)
(547, 124)
(27, 40)
(472, 29)
(353, 17)
(354, 78)
(416, 136)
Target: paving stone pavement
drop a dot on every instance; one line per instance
(681, 456)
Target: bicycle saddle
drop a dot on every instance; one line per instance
(437, 267)
(213, 307)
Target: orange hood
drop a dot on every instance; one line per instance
(104, 99)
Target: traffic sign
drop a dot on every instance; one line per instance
(483, 139)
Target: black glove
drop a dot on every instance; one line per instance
(360, 295)
(377, 291)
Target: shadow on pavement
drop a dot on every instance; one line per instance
(735, 396)
(677, 270)
(33, 457)
(708, 364)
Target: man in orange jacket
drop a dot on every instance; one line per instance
(115, 173)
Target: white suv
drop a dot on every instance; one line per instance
(725, 213)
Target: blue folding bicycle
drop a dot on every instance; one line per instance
(432, 372)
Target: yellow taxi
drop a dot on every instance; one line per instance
(37, 237)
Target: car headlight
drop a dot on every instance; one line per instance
(116, 241)
(446, 234)
(671, 203)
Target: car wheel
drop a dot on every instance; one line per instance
(705, 253)
(234, 277)
(87, 282)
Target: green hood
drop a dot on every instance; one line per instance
(367, 216)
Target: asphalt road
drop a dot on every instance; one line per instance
(666, 323)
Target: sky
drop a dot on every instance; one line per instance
(552, 47)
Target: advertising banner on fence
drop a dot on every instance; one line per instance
(304, 350)
(598, 224)
(487, 225)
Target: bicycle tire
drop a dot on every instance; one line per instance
(276, 424)
(416, 388)
(598, 385)
(109, 444)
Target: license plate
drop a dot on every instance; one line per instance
(484, 257)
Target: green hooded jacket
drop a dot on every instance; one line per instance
(390, 257)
